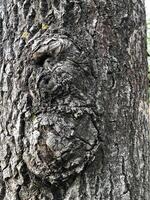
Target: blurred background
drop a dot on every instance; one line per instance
(147, 3)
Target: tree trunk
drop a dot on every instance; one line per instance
(74, 104)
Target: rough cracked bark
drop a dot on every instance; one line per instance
(73, 106)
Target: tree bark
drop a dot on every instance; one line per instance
(74, 104)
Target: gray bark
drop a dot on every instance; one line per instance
(73, 106)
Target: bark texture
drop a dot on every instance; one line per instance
(73, 105)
